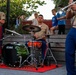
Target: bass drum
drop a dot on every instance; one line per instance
(11, 53)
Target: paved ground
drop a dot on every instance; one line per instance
(57, 71)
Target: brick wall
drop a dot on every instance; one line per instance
(49, 23)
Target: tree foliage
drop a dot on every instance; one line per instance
(60, 2)
(16, 7)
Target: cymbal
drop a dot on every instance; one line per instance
(31, 28)
(13, 32)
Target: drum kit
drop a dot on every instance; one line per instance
(32, 44)
(11, 51)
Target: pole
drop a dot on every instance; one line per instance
(8, 13)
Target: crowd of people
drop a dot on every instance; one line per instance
(58, 22)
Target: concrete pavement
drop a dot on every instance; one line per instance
(57, 71)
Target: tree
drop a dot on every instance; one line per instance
(60, 2)
(17, 7)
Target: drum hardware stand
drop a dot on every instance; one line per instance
(20, 62)
(32, 29)
(49, 50)
(33, 61)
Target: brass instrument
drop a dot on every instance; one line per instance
(68, 5)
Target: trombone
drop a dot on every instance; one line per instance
(68, 5)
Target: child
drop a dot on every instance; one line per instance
(54, 22)
(61, 22)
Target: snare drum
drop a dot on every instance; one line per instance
(34, 44)
(11, 53)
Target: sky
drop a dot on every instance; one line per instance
(45, 10)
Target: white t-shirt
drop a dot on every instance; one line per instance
(34, 22)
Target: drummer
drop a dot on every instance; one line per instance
(2, 21)
(41, 35)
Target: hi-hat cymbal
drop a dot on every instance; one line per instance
(13, 32)
(31, 28)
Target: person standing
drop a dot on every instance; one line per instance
(54, 22)
(17, 22)
(2, 21)
(70, 43)
(61, 22)
(34, 21)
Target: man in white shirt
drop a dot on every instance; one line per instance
(34, 21)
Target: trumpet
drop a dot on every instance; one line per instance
(68, 5)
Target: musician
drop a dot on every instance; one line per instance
(41, 35)
(71, 41)
(2, 21)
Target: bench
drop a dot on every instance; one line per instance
(57, 45)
